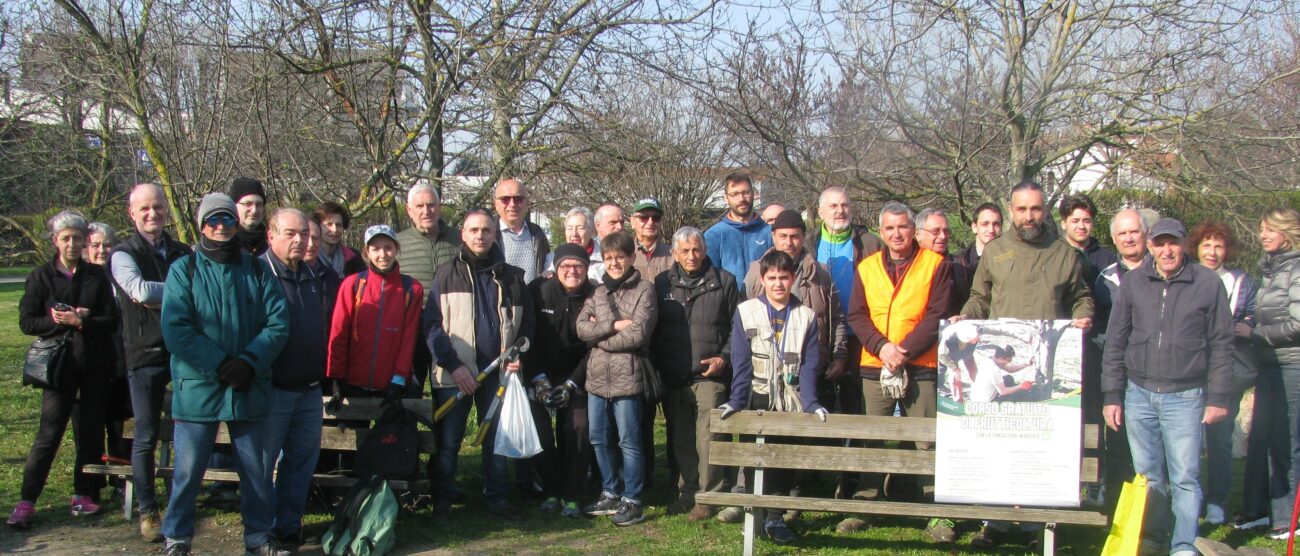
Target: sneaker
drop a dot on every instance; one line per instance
(607, 505)
(987, 537)
(21, 518)
(629, 513)
(178, 549)
(151, 526)
(1214, 514)
(941, 530)
(570, 509)
(680, 506)
(867, 494)
(504, 511)
(551, 504)
(83, 505)
(731, 514)
(268, 549)
(776, 530)
(1247, 523)
(700, 512)
(1279, 533)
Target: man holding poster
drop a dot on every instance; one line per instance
(1167, 369)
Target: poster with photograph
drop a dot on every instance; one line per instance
(1009, 419)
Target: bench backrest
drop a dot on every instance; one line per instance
(797, 441)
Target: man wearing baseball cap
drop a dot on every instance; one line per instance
(375, 324)
(1166, 372)
(653, 256)
(224, 320)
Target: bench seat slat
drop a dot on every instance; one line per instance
(952, 511)
(851, 427)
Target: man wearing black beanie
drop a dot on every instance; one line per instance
(250, 203)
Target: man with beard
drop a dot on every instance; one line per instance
(740, 237)
(1028, 274)
(250, 203)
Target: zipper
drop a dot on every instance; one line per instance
(1160, 332)
(379, 330)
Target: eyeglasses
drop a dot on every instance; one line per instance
(218, 220)
(571, 268)
(516, 199)
(648, 217)
(939, 231)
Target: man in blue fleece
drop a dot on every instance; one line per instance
(740, 237)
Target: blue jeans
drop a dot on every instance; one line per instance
(451, 434)
(624, 413)
(193, 444)
(148, 386)
(1164, 431)
(293, 432)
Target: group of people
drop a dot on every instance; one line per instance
(267, 314)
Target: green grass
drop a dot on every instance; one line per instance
(15, 271)
(470, 529)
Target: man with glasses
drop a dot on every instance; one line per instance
(225, 321)
(740, 237)
(524, 244)
(250, 202)
(933, 233)
(653, 256)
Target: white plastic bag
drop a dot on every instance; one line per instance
(516, 432)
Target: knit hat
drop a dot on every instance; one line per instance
(571, 251)
(789, 219)
(214, 203)
(380, 230)
(243, 187)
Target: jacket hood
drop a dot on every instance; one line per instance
(1272, 263)
(754, 224)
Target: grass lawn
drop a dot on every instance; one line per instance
(15, 271)
(470, 529)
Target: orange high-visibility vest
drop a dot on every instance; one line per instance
(897, 308)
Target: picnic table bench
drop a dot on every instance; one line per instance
(892, 458)
(338, 435)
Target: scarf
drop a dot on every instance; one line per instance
(224, 252)
(253, 240)
(613, 285)
(476, 262)
(835, 237)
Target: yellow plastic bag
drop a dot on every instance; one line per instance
(1126, 528)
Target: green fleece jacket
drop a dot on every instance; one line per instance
(1022, 280)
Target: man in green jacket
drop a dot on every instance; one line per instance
(224, 320)
(425, 245)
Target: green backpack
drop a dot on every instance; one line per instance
(366, 524)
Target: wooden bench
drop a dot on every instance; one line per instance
(761, 455)
(337, 436)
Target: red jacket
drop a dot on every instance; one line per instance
(373, 333)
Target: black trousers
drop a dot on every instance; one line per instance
(90, 390)
(566, 448)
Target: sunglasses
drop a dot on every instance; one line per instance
(648, 217)
(218, 220)
(508, 199)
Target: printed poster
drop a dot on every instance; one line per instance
(1009, 419)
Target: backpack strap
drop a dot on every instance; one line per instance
(345, 514)
(406, 289)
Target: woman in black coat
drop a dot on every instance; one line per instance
(69, 296)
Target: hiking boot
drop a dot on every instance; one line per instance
(731, 514)
(503, 511)
(21, 518)
(570, 509)
(852, 525)
(700, 512)
(629, 513)
(987, 537)
(178, 549)
(151, 526)
(941, 530)
(867, 494)
(680, 506)
(83, 505)
(268, 549)
(777, 531)
(550, 505)
(607, 505)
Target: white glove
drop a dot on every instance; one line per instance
(727, 410)
(821, 413)
(893, 384)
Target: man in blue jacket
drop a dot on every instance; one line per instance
(740, 237)
(224, 320)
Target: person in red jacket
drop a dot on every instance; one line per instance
(375, 324)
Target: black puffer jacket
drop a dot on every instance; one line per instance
(694, 323)
(1277, 306)
(556, 351)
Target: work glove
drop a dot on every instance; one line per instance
(396, 391)
(336, 398)
(893, 383)
(541, 387)
(558, 398)
(236, 373)
(821, 413)
(727, 410)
